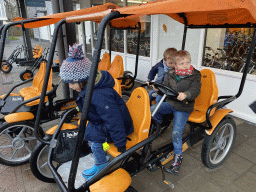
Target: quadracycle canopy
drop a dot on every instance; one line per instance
(191, 13)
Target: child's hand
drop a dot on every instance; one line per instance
(147, 82)
(181, 96)
(155, 89)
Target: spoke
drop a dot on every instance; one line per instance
(216, 154)
(46, 163)
(14, 153)
(6, 146)
(9, 136)
(29, 138)
(226, 136)
(23, 129)
(214, 148)
(27, 148)
(222, 133)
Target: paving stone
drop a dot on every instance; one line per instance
(232, 188)
(199, 183)
(177, 188)
(246, 151)
(247, 182)
(240, 139)
(247, 130)
(253, 169)
(237, 163)
(221, 175)
(145, 182)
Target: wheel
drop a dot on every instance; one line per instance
(126, 96)
(217, 146)
(130, 189)
(26, 75)
(17, 141)
(39, 165)
(125, 81)
(6, 67)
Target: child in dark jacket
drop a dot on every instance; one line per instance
(186, 80)
(109, 118)
(162, 68)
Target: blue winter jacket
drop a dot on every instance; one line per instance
(108, 115)
(157, 69)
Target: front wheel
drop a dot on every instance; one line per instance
(17, 142)
(39, 165)
(26, 75)
(6, 67)
(217, 146)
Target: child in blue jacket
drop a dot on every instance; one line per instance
(109, 118)
(162, 68)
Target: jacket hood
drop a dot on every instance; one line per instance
(105, 81)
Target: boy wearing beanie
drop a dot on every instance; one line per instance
(109, 118)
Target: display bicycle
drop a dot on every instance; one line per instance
(209, 120)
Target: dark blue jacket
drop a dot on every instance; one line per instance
(157, 69)
(108, 115)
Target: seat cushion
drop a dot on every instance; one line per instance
(197, 117)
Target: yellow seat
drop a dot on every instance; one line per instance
(117, 87)
(36, 50)
(39, 54)
(207, 97)
(117, 67)
(138, 106)
(36, 88)
(105, 63)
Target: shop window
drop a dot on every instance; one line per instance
(132, 36)
(227, 49)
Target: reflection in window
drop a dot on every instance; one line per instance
(132, 36)
(228, 49)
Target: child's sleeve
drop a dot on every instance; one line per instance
(152, 73)
(195, 88)
(112, 118)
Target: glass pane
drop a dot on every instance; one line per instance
(136, 2)
(117, 42)
(227, 49)
(132, 36)
(120, 3)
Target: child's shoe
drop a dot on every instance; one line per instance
(176, 164)
(89, 173)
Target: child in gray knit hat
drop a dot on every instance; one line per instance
(109, 118)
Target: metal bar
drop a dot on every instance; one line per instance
(248, 61)
(88, 96)
(185, 29)
(46, 78)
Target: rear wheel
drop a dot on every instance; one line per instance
(39, 165)
(17, 141)
(217, 146)
(26, 75)
(126, 80)
(6, 67)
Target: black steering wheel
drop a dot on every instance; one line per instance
(166, 90)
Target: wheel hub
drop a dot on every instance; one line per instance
(18, 143)
(222, 143)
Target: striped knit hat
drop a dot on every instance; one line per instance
(76, 67)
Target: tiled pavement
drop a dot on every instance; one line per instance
(236, 174)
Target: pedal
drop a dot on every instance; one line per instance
(170, 184)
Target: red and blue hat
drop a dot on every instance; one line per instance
(76, 67)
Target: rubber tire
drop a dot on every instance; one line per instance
(130, 189)
(5, 126)
(125, 81)
(33, 164)
(26, 75)
(126, 96)
(207, 144)
(6, 67)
